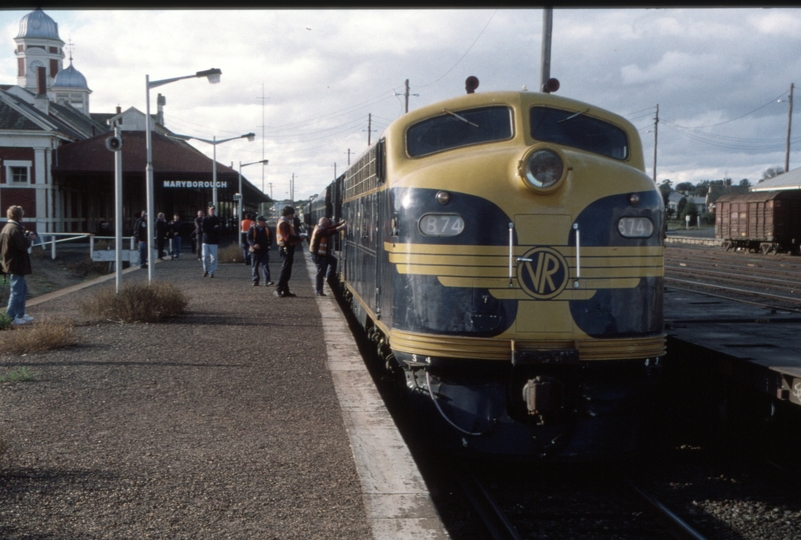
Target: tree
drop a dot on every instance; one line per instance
(664, 189)
(681, 206)
(745, 183)
(684, 187)
(771, 172)
(689, 209)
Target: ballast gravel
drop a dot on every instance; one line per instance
(222, 423)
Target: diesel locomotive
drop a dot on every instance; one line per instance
(504, 250)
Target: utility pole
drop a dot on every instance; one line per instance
(271, 189)
(335, 170)
(370, 127)
(292, 188)
(348, 152)
(656, 125)
(545, 60)
(789, 127)
(406, 95)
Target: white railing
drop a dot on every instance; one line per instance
(67, 237)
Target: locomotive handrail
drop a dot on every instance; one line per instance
(578, 255)
(511, 251)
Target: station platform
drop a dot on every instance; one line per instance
(251, 416)
(755, 347)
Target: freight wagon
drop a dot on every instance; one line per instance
(767, 221)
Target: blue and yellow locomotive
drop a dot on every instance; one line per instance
(505, 251)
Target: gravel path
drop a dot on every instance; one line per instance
(220, 424)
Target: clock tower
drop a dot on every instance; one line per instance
(38, 45)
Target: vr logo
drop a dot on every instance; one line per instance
(543, 273)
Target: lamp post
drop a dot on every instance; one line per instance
(241, 193)
(214, 142)
(213, 75)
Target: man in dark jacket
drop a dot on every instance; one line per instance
(140, 233)
(259, 242)
(198, 234)
(14, 244)
(174, 229)
(161, 233)
(212, 228)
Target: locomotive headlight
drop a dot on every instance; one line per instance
(542, 169)
(635, 227)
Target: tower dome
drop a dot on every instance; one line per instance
(37, 24)
(70, 77)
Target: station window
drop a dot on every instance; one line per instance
(18, 172)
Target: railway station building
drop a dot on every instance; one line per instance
(53, 156)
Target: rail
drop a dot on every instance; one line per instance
(53, 239)
(68, 237)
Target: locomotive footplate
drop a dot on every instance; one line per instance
(561, 357)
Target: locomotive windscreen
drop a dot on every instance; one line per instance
(572, 128)
(462, 128)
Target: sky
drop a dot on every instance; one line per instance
(304, 81)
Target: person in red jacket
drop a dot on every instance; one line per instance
(320, 249)
(287, 239)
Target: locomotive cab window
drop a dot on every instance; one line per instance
(454, 129)
(575, 129)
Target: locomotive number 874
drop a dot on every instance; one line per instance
(505, 251)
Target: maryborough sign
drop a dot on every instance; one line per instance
(192, 184)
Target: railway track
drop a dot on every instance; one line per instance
(579, 503)
(769, 281)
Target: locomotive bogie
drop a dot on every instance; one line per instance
(512, 271)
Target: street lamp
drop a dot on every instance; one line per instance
(214, 142)
(241, 193)
(213, 75)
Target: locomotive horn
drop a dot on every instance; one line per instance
(470, 84)
(551, 85)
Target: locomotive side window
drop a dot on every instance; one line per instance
(454, 129)
(572, 128)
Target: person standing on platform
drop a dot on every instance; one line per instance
(161, 233)
(259, 243)
(14, 244)
(287, 239)
(320, 249)
(140, 233)
(244, 227)
(174, 228)
(198, 232)
(212, 227)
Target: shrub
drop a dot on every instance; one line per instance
(231, 254)
(39, 336)
(139, 302)
(5, 321)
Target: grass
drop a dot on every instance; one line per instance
(18, 374)
(138, 302)
(38, 336)
(231, 254)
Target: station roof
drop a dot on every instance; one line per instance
(172, 159)
(788, 180)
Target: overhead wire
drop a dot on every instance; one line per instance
(465, 54)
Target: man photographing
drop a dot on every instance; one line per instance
(14, 244)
